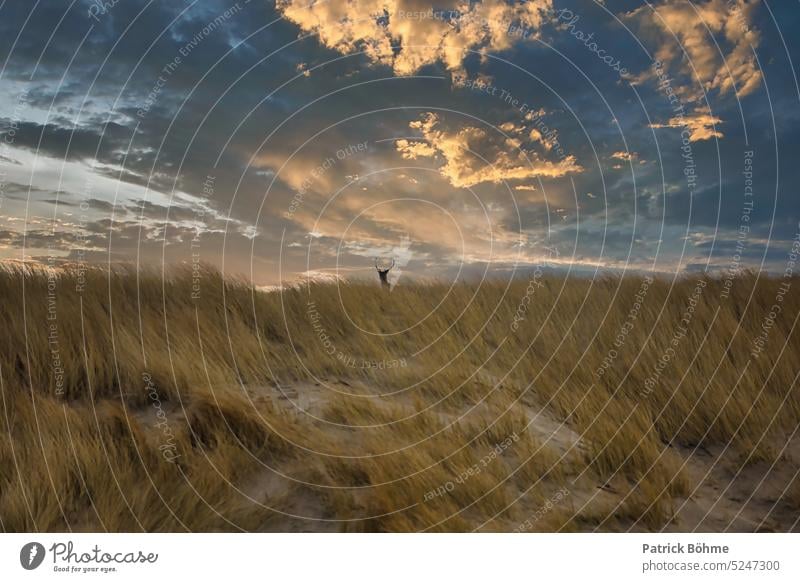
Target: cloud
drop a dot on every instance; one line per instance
(697, 25)
(536, 135)
(624, 156)
(75, 139)
(701, 124)
(411, 150)
(472, 156)
(316, 276)
(7, 160)
(407, 34)
(511, 127)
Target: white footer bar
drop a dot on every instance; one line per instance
(401, 557)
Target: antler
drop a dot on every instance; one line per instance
(392, 267)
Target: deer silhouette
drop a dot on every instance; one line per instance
(384, 274)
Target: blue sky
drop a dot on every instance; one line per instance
(461, 138)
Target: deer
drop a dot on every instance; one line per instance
(384, 274)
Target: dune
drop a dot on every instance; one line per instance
(137, 403)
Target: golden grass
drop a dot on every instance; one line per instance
(164, 418)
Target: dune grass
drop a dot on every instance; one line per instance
(134, 402)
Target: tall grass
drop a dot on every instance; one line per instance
(132, 401)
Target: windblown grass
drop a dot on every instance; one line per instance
(165, 420)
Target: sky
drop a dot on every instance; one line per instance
(462, 139)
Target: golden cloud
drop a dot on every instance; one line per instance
(701, 124)
(472, 156)
(409, 34)
(414, 150)
(698, 26)
(624, 156)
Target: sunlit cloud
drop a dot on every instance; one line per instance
(473, 156)
(421, 34)
(717, 36)
(624, 156)
(701, 125)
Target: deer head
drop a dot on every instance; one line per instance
(383, 273)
